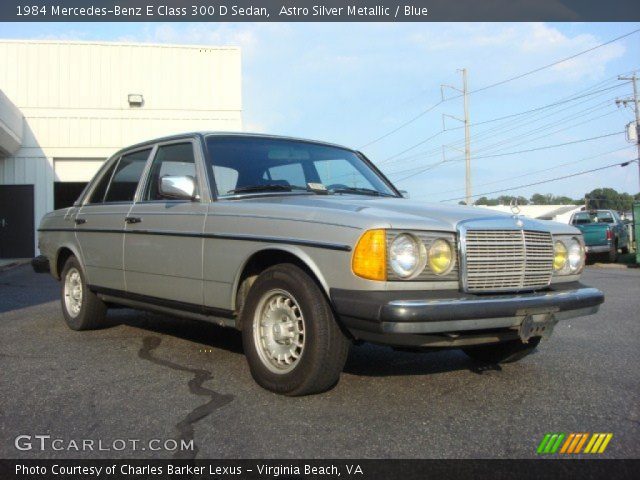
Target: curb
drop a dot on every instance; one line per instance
(618, 266)
(17, 263)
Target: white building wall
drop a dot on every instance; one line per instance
(74, 98)
(11, 126)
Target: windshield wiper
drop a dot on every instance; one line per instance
(362, 191)
(269, 187)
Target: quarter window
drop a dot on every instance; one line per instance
(126, 177)
(176, 159)
(97, 196)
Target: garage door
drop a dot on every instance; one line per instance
(76, 169)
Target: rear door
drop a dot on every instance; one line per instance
(100, 222)
(163, 243)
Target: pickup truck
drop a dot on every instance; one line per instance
(604, 233)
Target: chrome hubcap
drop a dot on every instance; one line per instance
(278, 330)
(73, 292)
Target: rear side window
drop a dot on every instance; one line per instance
(126, 177)
(171, 160)
(97, 196)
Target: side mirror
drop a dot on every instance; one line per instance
(178, 187)
(404, 193)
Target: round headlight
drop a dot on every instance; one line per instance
(559, 255)
(575, 255)
(440, 257)
(406, 255)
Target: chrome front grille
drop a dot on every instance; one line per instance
(507, 260)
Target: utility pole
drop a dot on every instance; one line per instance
(467, 135)
(636, 106)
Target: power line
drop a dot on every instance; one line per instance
(420, 170)
(544, 107)
(502, 82)
(549, 146)
(534, 172)
(408, 122)
(577, 96)
(483, 135)
(553, 64)
(411, 147)
(584, 172)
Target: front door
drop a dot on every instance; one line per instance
(100, 223)
(16, 221)
(163, 241)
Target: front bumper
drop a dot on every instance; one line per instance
(40, 264)
(375, 315)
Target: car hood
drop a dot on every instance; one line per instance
(380, 212)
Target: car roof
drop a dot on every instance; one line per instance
(201, 134)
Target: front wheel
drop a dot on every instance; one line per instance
(505, 352)
(292, 341)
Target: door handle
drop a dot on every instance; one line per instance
(132, 219)
(3, 223)
(80, 221)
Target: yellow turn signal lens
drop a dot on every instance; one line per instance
(560, 255)
(370, 255)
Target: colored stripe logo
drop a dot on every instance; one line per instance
(573, 443)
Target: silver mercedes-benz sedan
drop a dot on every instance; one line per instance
(306, 247)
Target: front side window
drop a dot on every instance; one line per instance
(255, 164)
(124, 182)
(175, 160)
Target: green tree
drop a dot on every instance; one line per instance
(550, 199)
(609, 198)
(540, 199)
(486, 201)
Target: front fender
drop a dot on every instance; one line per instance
(294, 250)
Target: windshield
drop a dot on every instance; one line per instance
(249, 165)
(601, 216)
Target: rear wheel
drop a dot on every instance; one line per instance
(505, 352)
(293, 343)
(612, 256)
(82, 309)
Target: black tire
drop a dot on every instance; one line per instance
(624, 250)
(325, 349)
(92, 311)
(505, 352)
(612, 256)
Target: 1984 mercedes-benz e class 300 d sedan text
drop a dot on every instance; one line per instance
(306, 247)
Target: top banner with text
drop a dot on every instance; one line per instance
(318, 10)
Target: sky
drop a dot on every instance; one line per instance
(352, 83)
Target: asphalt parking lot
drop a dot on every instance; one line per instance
(153, 377)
